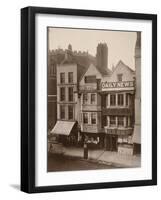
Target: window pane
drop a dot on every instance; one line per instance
(62, 94)
(93, 98)
(70, 112)
(112, 121)
(62, 77)
(85, 98)
(119, 77)
(112, 99)
(70, 77)
(90, 79)
(85, 118)
(62, 111)
(70, 93)
(120, 99)
(120, 121)
(93, 118)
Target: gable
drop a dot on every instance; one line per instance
(121, 69)
(91, 71)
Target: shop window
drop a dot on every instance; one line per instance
(62, 94)
(93, 118)
(120, 99)
(119, 77)
(112, 99)
(120, 121)
(70, 112)
(112, 121)
(90, 79)
(70, 77)
(85, 98)
(62, 112)
(93, 98)
(62, 77)
(85, 118)
(70, 93)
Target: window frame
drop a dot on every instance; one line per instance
(70, 106)
(61, 78)
(69, 97)
(118, 121)
(113, 125)
(119, 77)
(119, 102)
(69, 78)
(62, 106)
(85, 101)
(93, 102)
(94, 114)
(111, 102)
(85, 114)
(61, 99)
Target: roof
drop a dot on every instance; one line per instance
(121, 62)
(103, 71)
(63, 127)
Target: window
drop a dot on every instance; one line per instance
(85, 98)
(85, 118)
(62, 112)
(70, 93)
(90, 79)
(70, 77)
(62, 94)
(119, 77)
(70, 112)
(120, 121)
(62, 77)
(127, 121)
(127, 99)
(93, 118)
(120, 99)
(93, 98)
(112, 121)
(112, 99)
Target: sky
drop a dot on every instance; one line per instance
(121, 44)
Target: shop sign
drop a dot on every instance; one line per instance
(88, 87)
(112, 85)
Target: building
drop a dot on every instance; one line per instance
(52, 93)
(137, 127)
(69, 73)
(90, 101)
(98, 106)
(117, 92)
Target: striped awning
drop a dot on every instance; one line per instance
(63, 128)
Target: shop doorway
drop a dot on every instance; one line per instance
(111, 142)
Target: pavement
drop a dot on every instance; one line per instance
(105, 157)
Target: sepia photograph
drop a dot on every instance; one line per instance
(93, 99)
(89, 99)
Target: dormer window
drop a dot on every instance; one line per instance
(119, 77)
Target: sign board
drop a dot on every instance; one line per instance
(106, 86)
(88, 87)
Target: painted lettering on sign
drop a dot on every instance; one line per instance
(88, 87)
(124, 84)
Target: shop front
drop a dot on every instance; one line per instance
(65, 133)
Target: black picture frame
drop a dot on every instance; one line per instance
(28, 98)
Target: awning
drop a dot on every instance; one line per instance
(137, 134)
(63, 128)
